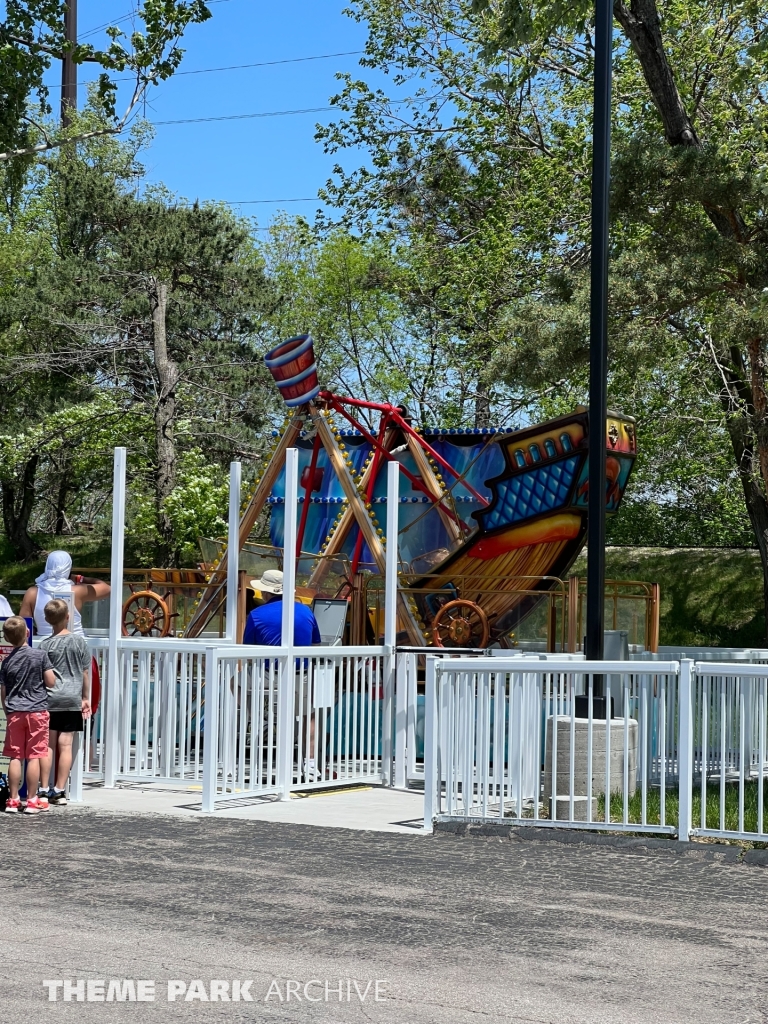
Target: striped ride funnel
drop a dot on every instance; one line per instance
(293, 366)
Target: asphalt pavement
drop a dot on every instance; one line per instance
(331, 925)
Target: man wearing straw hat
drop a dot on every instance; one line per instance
(264, 628)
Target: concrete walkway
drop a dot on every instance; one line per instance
(361, 808)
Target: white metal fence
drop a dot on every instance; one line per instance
(91, 761)
(730, 746)
(280, 723)
(408, 768)
(505, 740)
(242, 726)
(518, 738)
(158, 717)
(684, 752)
(409, 722)
(752, 655)
(242, 720)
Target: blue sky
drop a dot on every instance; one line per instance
(272, 158)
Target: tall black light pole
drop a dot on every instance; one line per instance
(598, 328)
(68, 66)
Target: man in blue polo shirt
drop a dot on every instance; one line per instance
(265, 623)
(264, 628)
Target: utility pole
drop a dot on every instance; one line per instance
(598, 332)
(68, 66)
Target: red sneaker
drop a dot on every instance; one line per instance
(33, 806)
(12, 806)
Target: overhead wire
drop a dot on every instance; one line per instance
(241, 67)
(126, 17)
(244, 117)
(271, 63)
(236, 117)
(250, 202)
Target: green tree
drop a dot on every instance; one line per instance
(160, 300)
(195, 508)
(690, 199)
(147, 304)
(65, 452)
(502, 91)
(346, 290)
(32, 35)
(462, 174)
(38, 398)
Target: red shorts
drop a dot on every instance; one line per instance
(26, 734)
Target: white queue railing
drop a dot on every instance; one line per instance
(730, 751)
(247, 721)
(686, 754)
(158, 721)
(287, 722)
(241, 737)
(408, 767)
(409, 722)
(503, 741)
(340, 695)
(184, 708)
(93, 732)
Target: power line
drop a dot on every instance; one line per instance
(240, 67)
(127, 17)
(251, 202)
(107, 24)
(271, 63)
(243, 117)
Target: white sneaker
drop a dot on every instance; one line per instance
(311, 774)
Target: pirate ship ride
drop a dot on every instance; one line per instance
(489, 521)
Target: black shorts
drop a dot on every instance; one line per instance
(66, 721)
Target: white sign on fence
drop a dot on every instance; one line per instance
(325, 685)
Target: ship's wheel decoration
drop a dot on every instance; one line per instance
(146, 613)
(461, 624)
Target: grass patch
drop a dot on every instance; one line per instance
(710, 597)
(672, 807)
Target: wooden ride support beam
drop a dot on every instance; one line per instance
(348, 485)
(360, 513)
(347, 521)
(653, 616)
(212, 596)
(450, 522)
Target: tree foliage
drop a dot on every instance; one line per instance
(160, 298)
(459, 172)
(481, 156)
(345, 289)
(147, 306)
(32, 36)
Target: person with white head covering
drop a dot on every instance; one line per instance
(5, 609)
(57, 582)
